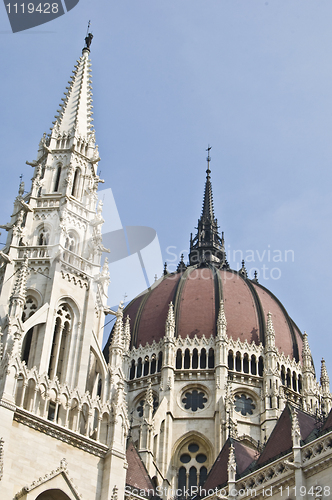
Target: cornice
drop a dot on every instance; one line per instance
(60, 433)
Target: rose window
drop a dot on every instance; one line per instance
(194, 400)
(244, 405)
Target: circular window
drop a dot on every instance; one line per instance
(194, 400)
(185, 458)
(201, 458)
(244, 405)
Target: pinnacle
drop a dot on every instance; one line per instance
(74, 115)
(207, 210)
(324, 378)
(221, 316)
(170, 321)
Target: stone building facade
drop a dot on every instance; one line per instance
(206, 386)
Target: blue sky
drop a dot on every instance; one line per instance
(252, 78)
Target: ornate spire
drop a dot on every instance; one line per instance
(221, 321)
(306, 354)
(74, 117)
(231, 465)
(207, 246)
(170, 321)
(149, 395)
(324, 378)
(207, 210)
(181, 266)
(270, 333)
(127, 336)
(296, 432)
(243, 270)
(118, 338)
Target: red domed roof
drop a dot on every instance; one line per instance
(196, 295)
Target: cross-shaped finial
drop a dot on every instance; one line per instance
(124, 297)
(21, 177)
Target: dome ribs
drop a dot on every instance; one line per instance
(218, 293)
(196, 294)
(197, 316)
(149, 324)
(138, 318)
(241, 309)
(260, 312)
(177, 298)
(280, 331)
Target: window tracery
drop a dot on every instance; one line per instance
(61, 339)
(194, 400)
(244, 404)
(192, 466)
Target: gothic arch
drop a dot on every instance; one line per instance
(96, 375)
(62, 343)
(54, 494)
(186, 439)
(76, 183)
(57, 178)
(72, 240)
(192, 460)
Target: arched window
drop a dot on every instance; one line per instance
(195, 359)
(153, 364)
(60, 345)
(202, 363)
(186, 359)
(192, 477)
(230, 360)
(160, 362)
(26, 347)
(132, 370)
(283, 375)
(146, 366)
(178, 361)
(57, 179)
(300, 384)
(211, 358)
(288, 378)
(294, 382)
(43, 237)
(29, 308)
(253, 367)
(260, 366)
(246, 363)
(71, 243)
(76, 183)
(238, 362)
(139, 368)
(193, 463)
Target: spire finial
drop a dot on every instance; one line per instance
(88, 38)
(208, 159)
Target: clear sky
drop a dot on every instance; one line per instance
(252, 78)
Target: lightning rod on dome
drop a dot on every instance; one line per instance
(208, 159)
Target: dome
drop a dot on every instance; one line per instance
(196, 293)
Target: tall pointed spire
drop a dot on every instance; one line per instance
(75, 114)
(207, 210)
(207, 246)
